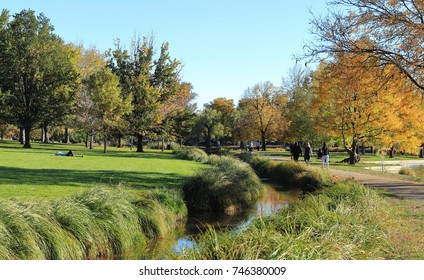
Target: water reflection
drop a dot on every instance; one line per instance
(182, 238)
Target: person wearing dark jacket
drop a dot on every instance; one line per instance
(307, 154)
(297, 151)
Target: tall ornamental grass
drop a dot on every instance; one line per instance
(229, 186)
(100, 223)
(337, 223)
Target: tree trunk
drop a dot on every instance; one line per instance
(21, 135)
(263, 139)
(46, 133)
(104, 143)
(91, 140)
(67, 137)
(27, 138)
(208, 140)
(163, 144)
(392, 152)
(353, 155)
(140, 144)
(119, 142)
(86, 140)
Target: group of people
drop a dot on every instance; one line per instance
(323, 153)
(251, 146)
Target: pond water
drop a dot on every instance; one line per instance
(272, 201)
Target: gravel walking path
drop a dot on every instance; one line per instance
(403, 188)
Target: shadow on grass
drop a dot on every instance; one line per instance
(145, 155)
(62, 177)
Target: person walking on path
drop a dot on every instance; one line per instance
(297, 151)
(307, 154)
(325, 156)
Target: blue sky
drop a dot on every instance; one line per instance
(226, 46)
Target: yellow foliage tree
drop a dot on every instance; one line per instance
(263, 105)
(359, 100)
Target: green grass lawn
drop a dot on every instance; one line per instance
(38, 173)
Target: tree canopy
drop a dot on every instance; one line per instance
(36, 71)
(390, 31)
(370, 104)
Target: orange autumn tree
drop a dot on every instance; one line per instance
(359, 100)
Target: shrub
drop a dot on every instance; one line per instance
(175, 147)
(407, 171)
(419, 171)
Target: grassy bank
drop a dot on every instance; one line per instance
(340, 222)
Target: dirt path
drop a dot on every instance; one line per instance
(403, 188)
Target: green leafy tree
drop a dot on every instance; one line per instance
(109, 106)
(88, 63)
(208, 122)
(298, 88)
(226, 108)
(35, 68)
(149, 82)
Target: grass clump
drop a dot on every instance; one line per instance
(100, 223)
(230, 185)
(191, 153)
(295, 175)
(288, 174)
(339, 222)
(264, 167)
